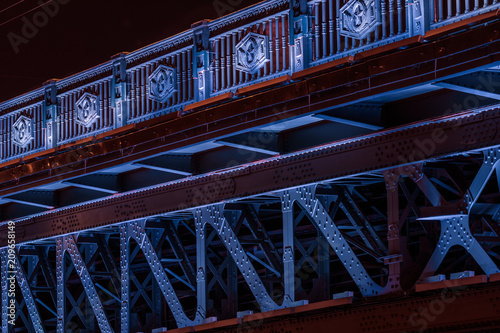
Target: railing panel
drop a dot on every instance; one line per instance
(449, 11)
(85, 111)
(250, 53)
(21, 132)
(177, 77)
(340, 28)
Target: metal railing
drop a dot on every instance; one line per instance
(69, 126)
(449, 11)
(330, 37)
(227, 47)
(258, 43)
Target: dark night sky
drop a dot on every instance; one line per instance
(85, 33)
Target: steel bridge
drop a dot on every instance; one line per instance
(294, 166)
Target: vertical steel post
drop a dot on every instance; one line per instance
(125, 287)
(201, 60)
(418, 16)
(201, 276)
(394, 257)
(119, 101)
(299, 31)
(50, 109)
(60, 285)
(288, 246)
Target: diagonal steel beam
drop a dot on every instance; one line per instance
(137, 231)
(27, 295)
(456, 231)
(214, 216)
(68, 244)
(306, 198)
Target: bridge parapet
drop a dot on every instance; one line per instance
(262, 42)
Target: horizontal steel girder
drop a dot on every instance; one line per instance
(425, 141)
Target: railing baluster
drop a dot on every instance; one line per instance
(179, 79)
(337, 26)
(271, 48)
(233, 59)
(284, 43)
(261, 29)
(485, 4)
(458, 8)
(400, 16)
(384, 19)
(449, 9)
(228, 59)
(316, 31)
(189, 63)
(310, 48)
(217, 64)
(144, 75)
(391, 18)
(440, 5)
(102, 101)
(476, 4)
(277, 44)
(222, 64)
(132, 95)
(184, 71)
(138, 91)
(323, 27)
(330, 25)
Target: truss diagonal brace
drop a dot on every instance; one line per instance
(490, 162)
(137, 231)
(456, 231)
(22, 281)
(214, 216)
(68, 244)
(305, 197)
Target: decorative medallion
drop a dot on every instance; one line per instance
(252, 52)
(87, 110)
(162, 83)
(359, 18)
(22, 131)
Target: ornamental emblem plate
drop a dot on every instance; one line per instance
(359, 18)
(252, 52)
(87, 110)
(22, 131)
(162, 83)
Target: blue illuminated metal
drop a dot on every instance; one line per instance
(213, 58)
